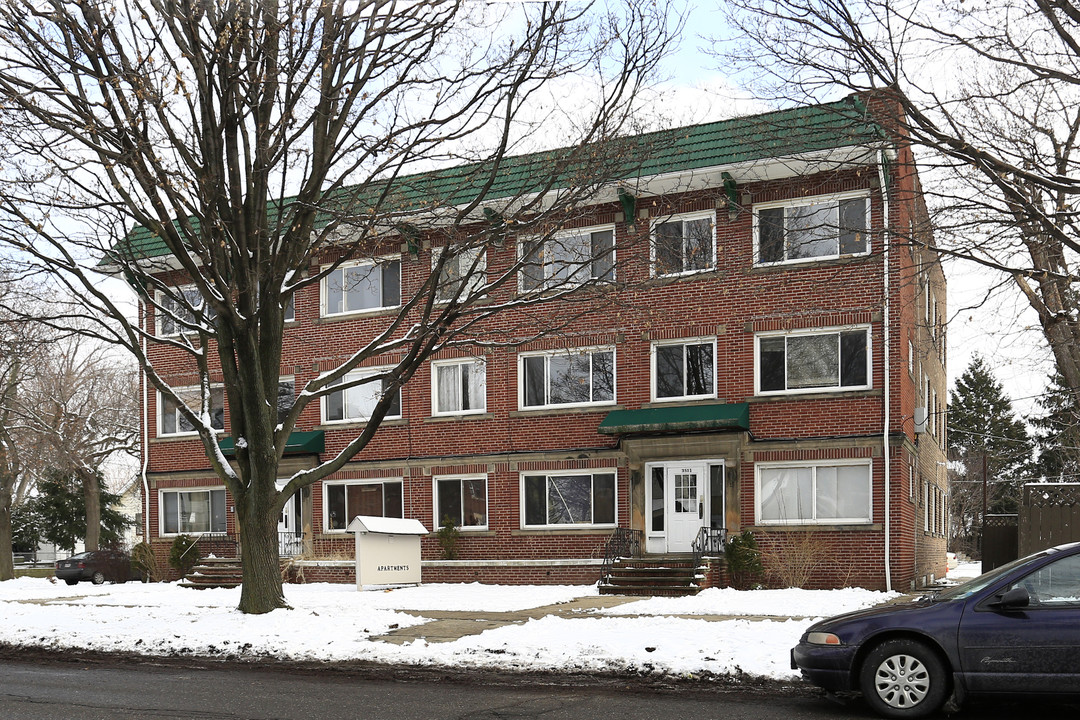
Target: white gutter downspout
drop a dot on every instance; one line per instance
(145, 431)
(885, 240)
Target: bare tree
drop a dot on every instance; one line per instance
(19, 343)
(80, 405)
(224, 156)
(990, 92)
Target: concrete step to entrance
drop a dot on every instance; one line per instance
(214, 573)
(654, 576)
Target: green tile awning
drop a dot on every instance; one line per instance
(299, 443)
(718, 416)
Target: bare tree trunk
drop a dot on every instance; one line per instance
(92, 497)
(261, 591)
(7, 565)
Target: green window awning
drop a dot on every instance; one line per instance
(719, 416)
(299, 443)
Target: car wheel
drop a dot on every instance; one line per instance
(903, 679)
(69, 581)
(98, 578)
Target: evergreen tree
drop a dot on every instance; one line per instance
(1057, 433)
(984, 433)
(60, 506)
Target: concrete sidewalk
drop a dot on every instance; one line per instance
(446, 626)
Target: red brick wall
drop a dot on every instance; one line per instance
(731, 303)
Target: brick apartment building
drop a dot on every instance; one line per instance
(769, 356)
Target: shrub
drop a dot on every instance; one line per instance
(145, 561)
(744, 560)
(184, 554)
(448, 536)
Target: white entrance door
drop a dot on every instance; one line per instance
(687, 493)
(288, 539)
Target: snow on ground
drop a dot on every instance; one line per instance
(965, 571)
(783, 603)
(333, 623)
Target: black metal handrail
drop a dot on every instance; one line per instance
(218, 544)
(290, 544)
(709, 541)
(623, 543)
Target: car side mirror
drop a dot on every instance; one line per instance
(1013, 599)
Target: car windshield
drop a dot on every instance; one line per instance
(974, 585)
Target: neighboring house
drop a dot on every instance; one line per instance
(782, 325)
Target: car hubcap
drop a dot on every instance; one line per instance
(902, 681)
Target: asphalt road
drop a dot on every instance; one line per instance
(76, 689)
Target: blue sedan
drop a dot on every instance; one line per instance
(1012, 631)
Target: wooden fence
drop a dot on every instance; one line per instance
(1049, 516)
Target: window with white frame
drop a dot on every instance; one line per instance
(812, 228)
(192, 511)
(684, 370)
(569, 257)
(814, 360)
(345, 500)
(462, 500)
(187, 308)
(684, 243)
(356, 403)
(464, 272)
(568, 498)
(459, 386)
(803, 493)
(575, 377)
(172, 422)
(361, 286)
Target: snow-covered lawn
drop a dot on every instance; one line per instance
(333, 623)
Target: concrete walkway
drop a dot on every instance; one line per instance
(446, 626)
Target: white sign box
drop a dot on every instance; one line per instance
(387, 550)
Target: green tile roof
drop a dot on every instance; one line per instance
(714, 416)
(782, 133)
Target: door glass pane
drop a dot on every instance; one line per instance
(716, 496)
(686, 493)
(657, 508)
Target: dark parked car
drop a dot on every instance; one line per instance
(1012, 631)
(97, 566)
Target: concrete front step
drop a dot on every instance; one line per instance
(652, 576)
(214, 573)
(648, 591)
